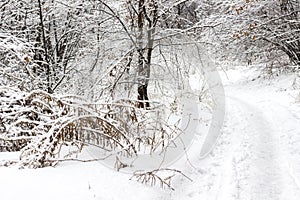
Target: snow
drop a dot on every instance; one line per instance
(257, 155)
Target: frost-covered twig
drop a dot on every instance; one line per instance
(162, 176)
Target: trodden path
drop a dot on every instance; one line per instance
(257, 163)
(257, 155)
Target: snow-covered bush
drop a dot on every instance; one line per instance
(40, 124)
(24, 116)
(16, 67)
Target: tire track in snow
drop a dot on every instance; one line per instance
(256, 156)
(288, 133)
(233, 156)
(255, 165)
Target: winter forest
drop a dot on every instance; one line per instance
(150, 99)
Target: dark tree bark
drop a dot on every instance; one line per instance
(147, 19)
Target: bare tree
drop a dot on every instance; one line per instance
(264, 28)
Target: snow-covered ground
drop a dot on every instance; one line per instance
(257, 155)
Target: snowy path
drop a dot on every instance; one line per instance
(259, 148)
(256, 165)
(257, 155)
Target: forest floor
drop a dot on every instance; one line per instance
(256, 157)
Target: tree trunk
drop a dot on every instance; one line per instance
(142, 87)
(46, 61)
(144, 62)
